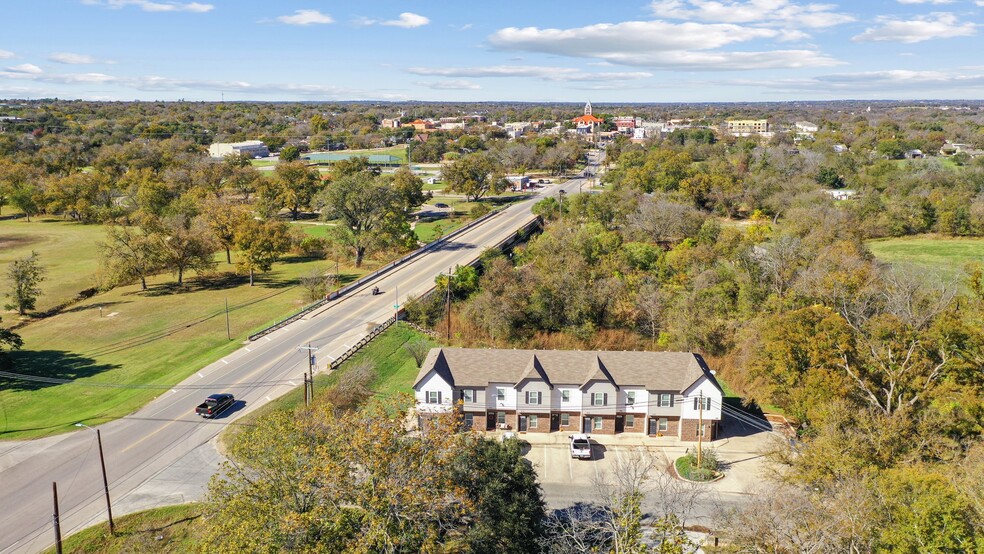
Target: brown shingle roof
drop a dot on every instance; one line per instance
(467, 367)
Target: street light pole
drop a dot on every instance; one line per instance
(102, 463)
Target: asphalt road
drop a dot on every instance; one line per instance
(151, 442)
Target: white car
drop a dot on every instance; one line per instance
(580, 447)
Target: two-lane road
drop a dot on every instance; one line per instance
(166, 431)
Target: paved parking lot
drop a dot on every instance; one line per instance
(566, 481)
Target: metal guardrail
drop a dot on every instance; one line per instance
(376, 331)
(369, 277)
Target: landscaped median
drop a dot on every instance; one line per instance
(707, 470)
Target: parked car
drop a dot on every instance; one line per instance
(580, 447)
(441, 205)
(215, 405)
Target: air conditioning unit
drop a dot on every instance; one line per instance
(503, 426)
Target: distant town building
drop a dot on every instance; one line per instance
(745, 127)
(806, 127)
(254, 148)
(841, 194)
(390, 123)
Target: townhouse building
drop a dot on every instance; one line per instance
(562, 391)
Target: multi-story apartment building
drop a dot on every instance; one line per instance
(544, 391)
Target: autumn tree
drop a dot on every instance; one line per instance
(181, 243)
(25, 276)
(129, 253)
(224, 219)
(328, 480)
(293, 186)
(260, 244)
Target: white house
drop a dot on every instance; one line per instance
(544, 391)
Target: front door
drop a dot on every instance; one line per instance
(586, 425)
(522, 423)
(554, 422)
(490, 421)
(619, 424)
(652, 426)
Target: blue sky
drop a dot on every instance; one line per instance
(532, 50)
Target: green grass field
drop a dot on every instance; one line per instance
(127, 336)
(67, 250)
(428, 231)
(174, 529)
(943, 256)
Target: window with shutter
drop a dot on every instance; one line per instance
(433, 397)
(468, 395)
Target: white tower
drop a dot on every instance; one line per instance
(587, 108)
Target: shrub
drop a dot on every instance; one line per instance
(687, 465)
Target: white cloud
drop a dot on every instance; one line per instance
(158, 84)
(407, 20)
(980, 3)
(765, 12)
(149, 6)
(6, 54)
(926, 2)
(661, 44)
(894, 83)
(28, 68)
(921, 28)
(70, 58)
(450, 85)
(306, 17)
(540, 72)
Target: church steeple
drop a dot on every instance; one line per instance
(587, 108)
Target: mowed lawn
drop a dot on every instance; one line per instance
(117, 347)
(68, 251)
(942, 256)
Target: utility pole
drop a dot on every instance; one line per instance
(228, 330)
(102, 464)
(307, 401)
(58, 541)
(449, 305)
(396, 305)
(310, 355)
(700, 430)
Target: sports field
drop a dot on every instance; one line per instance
(942, 256)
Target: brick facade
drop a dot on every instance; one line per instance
(672, 427)
(607, 424)
(638, 424)
(573, 422)
(688, 430)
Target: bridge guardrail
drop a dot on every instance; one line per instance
(279, 324)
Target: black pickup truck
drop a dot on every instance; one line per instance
(215, 405)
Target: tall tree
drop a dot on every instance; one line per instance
(474, 175)
(25, 276)
(224, 219)
(293, 186)
(128, 254)
(260, 244)
(182, 243)
(371, 211)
